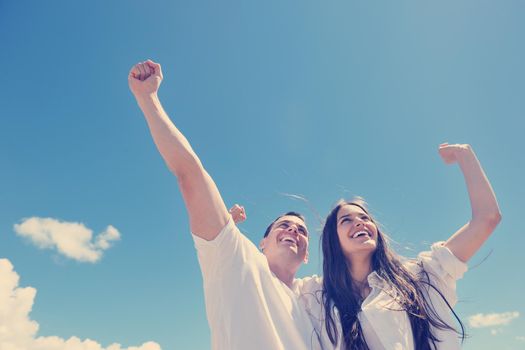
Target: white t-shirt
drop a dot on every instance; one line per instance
(384, 328)
(248, 307)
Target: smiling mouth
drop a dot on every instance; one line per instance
(288, 239)
(361, 233)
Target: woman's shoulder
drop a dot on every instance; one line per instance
(442, 262)
(439, 261)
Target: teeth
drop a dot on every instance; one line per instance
(360, 233)
(288, 239)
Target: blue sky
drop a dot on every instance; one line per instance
(319, 99)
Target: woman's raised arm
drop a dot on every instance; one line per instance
(485, 210)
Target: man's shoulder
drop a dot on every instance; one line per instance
(230, 232)
(229, 249)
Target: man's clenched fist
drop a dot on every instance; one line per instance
(144, 78)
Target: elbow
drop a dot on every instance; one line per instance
(184, 168)
(495, 218)
(490, 221)
(187, 176)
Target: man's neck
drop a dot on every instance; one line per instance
(283, 272)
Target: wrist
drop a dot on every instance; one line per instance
(466, 154)
(147, 98)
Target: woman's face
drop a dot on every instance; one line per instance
(356, 231)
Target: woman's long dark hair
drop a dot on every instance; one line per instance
(339, 292)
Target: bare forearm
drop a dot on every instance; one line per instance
(206, 209)
(171, 143)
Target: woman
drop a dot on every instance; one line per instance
(373, 299)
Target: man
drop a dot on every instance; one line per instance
(250, 296)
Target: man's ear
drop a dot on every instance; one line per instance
(261, 244)
(306, 257)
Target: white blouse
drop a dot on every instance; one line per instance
(384, 327)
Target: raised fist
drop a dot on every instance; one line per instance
(451, 153)
(144, 78)
(238, 213)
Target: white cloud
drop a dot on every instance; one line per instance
(490, 320)
(72, 239)
(18, 331)
(520, 338)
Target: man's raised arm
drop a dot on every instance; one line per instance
(206, 209)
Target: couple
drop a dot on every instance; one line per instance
(369, 298)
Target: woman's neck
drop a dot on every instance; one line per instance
(360, 268)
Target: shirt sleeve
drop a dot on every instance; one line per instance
(443, 269)
(226, 253)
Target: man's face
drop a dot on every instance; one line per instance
(287, 241)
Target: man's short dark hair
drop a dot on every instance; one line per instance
(290, 213)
